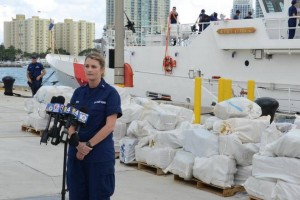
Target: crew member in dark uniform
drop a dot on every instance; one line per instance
(173, 16)
(292, 20)
(35, 73)
(91, 160)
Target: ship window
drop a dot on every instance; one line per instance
(273, 5)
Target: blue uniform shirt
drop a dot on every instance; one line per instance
(35, 69)
(100, 103)
(292, 11)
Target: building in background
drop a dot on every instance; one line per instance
(142, 13)
(258, 10)
(74, 37)
(33, 35)
(244, 6)
(29, 35)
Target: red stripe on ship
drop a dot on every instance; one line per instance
(79, 74)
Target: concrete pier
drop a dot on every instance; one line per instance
(32, 171)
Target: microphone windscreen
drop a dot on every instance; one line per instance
(53, 99)
(61, 99)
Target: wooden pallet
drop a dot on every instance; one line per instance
(221, 191)
(192, 182)
(254, 198)
(30, 129)
(150, 168)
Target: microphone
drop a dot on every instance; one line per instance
(45, 134)
(56, 128)
(82, 118)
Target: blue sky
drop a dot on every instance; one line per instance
(94, 10)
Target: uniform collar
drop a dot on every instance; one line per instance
(101, 85)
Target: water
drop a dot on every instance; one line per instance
(19, 74)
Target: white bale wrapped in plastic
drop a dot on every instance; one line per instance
(286, 191)
(287, 145)
(145, 102)
(30, 105)
(183, 114)
(268, 136)
(139, 129)
(173, 138)
(209, 122)
(237, 107)
(218, 170)
(286, 169)
(160, 157)
(45, 93)
(162, 120)
(260, 188)
(248, 130)
(131, 112)
(142, 153)
(297, 121)
(233, 147)
(124, 94)
(37, 122)
(242, 174)
(120, 130)
(200, 142)
(127, 149)
(182, 164)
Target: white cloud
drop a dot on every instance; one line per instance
(94, 10)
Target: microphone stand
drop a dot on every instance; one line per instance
(64, 138)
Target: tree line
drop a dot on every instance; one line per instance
(13, 54)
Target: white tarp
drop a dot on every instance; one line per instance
(200, 142)
(182, 164)
(237, 107)
(260, 188)
(232, 146)
(248, 130)
(218, 170)
(286, 169)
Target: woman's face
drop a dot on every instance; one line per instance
(93, 70)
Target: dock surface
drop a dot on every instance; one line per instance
(32, 171)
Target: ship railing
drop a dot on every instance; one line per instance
(286, 96)
(154, 35)
(277, 28)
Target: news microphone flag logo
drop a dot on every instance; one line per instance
(54, 107)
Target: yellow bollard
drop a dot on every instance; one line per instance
(228, 89)
(251, 90)
(197, 100)
(221, 88)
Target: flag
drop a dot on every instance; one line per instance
(51, 25)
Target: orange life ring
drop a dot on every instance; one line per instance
(169, 63)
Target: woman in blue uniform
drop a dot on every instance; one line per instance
(91, 159)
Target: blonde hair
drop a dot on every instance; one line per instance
(97, 56)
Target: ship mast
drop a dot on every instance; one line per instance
(119, 42)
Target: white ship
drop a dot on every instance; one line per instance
(241, 50)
